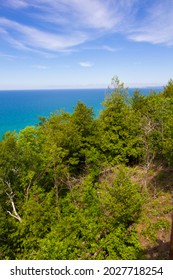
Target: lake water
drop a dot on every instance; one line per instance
(21, 108)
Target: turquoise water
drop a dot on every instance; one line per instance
(20, 108)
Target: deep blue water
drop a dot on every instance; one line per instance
(21, 108)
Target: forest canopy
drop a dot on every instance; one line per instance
(66, 186)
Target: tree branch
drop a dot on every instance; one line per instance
(11, 195)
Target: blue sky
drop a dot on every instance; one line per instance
(84, 43)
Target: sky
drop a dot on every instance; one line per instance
(85, 43)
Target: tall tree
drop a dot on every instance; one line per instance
(119, 127)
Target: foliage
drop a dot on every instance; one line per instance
(85, 231)
(65, 187)
(119, 127)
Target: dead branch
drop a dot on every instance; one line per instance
(10, 194)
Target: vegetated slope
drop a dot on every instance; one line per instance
(76, 187)
(154, 227)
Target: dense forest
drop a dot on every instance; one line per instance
(80, 187)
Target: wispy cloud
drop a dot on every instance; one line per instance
(40, 67)
(8, 56)
(104, 48)
(32, 37)
(156, 26)
(110, 49)
(89, 13)
(86, 64)
(15, 3)
(62, 25)
(80, 22)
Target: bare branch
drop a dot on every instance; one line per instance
(14, 216)
(11, 195)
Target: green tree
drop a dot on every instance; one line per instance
(119, 127)
(168, 89)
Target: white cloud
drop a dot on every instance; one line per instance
(88, 13)
(8, 56)
(86, 64)
(105, 48)
(96, 14)
(32, 37)
(157, 25)
(110, 49)
(40, 67)
(65, 24)
(15, 3)
(79, 21)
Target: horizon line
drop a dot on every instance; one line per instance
(128, 86)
